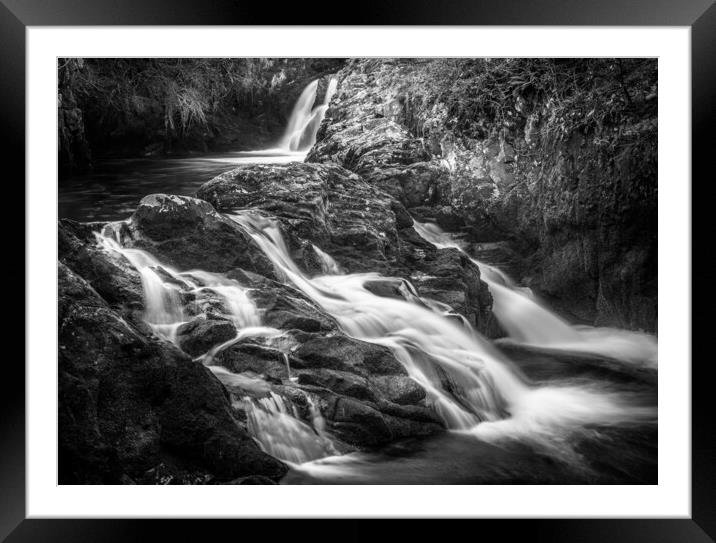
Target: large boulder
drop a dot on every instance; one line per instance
(323, 203)
(188, 233)
(343, 353)
(136, 409)
(200, 334)
(110, 274)
(368, 425)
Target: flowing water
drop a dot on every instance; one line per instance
(492, 409)
(489, 398)
(305, 119)
(114, 187)
(527, 321)
(504, 426)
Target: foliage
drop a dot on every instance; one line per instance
(478, 97)
(173, 99)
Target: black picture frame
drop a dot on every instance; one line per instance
(700, 15)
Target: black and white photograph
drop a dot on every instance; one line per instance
(357, 271)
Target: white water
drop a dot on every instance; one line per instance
(328, 265)
(272, 421)
(428, 345)
(163, 288)
(275, 424)
(468, 383)
(303, 124)
(528, 322)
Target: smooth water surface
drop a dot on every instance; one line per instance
(112, 190)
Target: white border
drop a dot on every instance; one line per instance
(670, 498)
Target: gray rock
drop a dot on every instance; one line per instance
(130, 402)
(199, 335)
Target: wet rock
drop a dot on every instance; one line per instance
(451, 278)
(416, 184)
(129, 402)
(446, 217)
(250, 357)
(399, 389)
(363, 424)
(282, 306)
(110, 274)
(323, 203)
(200, 334)
(188, 233)
(340, 382)
(252, 480)
(340, 352)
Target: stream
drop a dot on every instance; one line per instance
(551, 403)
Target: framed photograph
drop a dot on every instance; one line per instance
(436, 268)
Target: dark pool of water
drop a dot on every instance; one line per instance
(112, 190)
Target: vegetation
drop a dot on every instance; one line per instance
(479, 97)
(134, 105)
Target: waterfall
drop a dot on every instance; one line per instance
(275, 424)
(434, 350)
(272, 421)
(163, 311)
(468, 382)
(528, 322)
(164, 289)
(328, 264)
(305, 120)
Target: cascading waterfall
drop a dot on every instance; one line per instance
(303, 124)
(328, 264)
(469, 384)
(432, 349)
(272, 421)
(276, 425)
(163, 288)
(528, 322)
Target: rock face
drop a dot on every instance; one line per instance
(583, 214)
(134, 409)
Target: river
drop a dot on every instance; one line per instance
(551, 403)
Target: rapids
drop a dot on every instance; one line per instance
(481, 396)
(474, 388)
(529, 322)
(488, 397)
